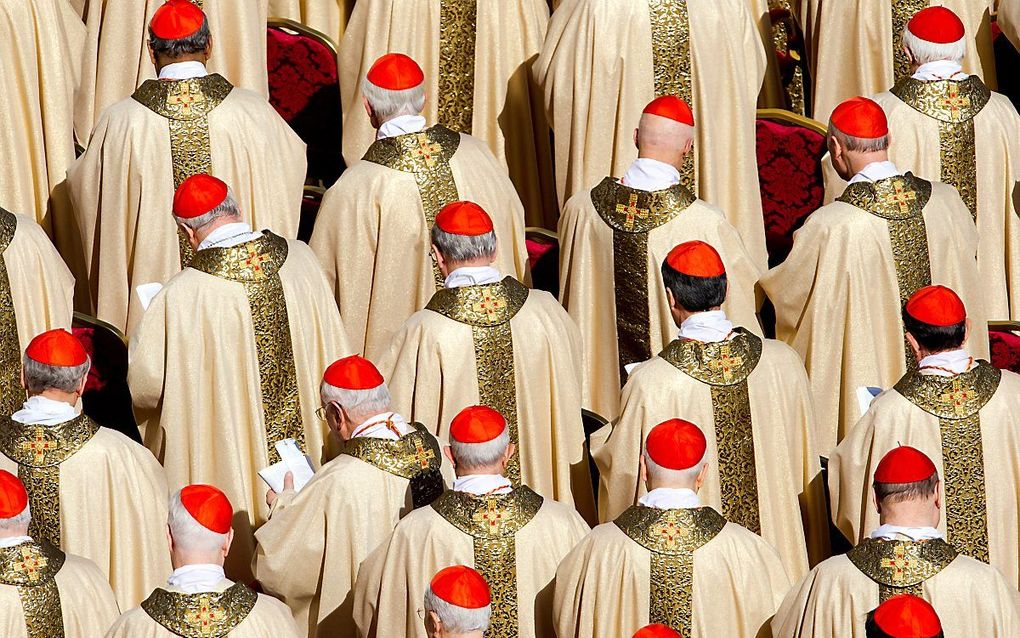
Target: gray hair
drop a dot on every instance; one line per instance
(40, 377)
(227, 208)
(464, 247)
(859, 144)
(387, 104)
(473, 455)
(358, 403)
(924, 51)
(673, 477)
(19, 522)
(188, 532)
(194, 43)
(458, 620)
(898, 492)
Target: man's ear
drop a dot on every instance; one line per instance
(878, 503)
(169, 539)
(448, 453)
(24, 384)
(509, 454)
(636, 135)
(207, 52)
(702, 475)
(152, 54)
(643, 468)
(80, 391)
(228, 542)
(966, 332)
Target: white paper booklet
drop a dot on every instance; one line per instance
(291, 460)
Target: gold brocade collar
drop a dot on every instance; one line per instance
(250, 262)
(493, 516)
(957, 397)
(189, 99)
(204, 615)
(950, 101)
(45, 445)
(415, 152)
(717, 363)
(901, 563)
(8, 226)
(413, 454)
(894, 198)
(485, 305)
(29, 564)
(631, 210)
(671, 532)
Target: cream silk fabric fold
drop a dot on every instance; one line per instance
(1009, 20)
(41, 285)
(328, 17)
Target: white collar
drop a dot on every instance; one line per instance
(386, 425)
(194, 579)
(401, 125)
(940, 70)
(39, 410)
(649, 174)
(229, 235)
(14, 541)
(951, 362)
(876, 171)
(183, 71)
(472, 276)
(670, 498)
(897, 533)
(482, 484)
(707, 327)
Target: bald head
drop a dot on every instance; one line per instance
(663, 139)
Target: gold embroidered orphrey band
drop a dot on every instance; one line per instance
(671, 59)
(954, 105)
(900, 201)
(672, 536)
(256, 265)
(458, 21)
(205, 615)
(11, 393)
(901, 567)
(415, 457)
(427, 157)
(493, 522)
(488, 309)
(957, 402)
(186, 104)
(31, 567)
(725, 366)
(902, 12)
(632, 214)
(39, 450)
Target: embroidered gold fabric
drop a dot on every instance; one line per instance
(672, 536)
(781, 37)
(493, 522)
(488, 309)
(31, 568)
(427, 157)
(415, 457)
(11, 393)
(901, 567)
(902, 12)
(39, 450)
(205, 615)
(957, 402)
(725, 366)
(457, 22)
(671, 59)
(256, 265)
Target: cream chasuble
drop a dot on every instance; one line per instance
(971, 599)
(514, 350)
(964, 424)
(234, 610)
(46, 594)
(94, 493)
(477, 60)
(122, 187)
(35, 292)
(604, 61)
(685, 568)
(116, 58)
(856, 48)
(380, 213)
(328, 17)
(515, 541)
(226, 362)
(1008, 19)
(310, 551)
(41, 52)
(613, 241)
(855, 262)
(752, 399)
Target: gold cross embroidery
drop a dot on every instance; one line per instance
(725, 363)
(186, 99)
(898, 563)
(901, 197)
(955, 102)
(427, 151)
(670, 533)
(958, 396)
(489, 305)
(30, 564)
(255, 261)
(631, 210)
(423, 454)
(205, 617)
(491, 516)
(40, 443)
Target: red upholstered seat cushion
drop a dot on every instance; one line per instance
(1005, 350)
(544, 258)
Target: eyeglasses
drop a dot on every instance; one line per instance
(323, 410)
(421, 614)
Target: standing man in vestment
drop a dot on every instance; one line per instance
(226, 362)
(905, 616)
(856, 261)
(382, 209)
(458, 604)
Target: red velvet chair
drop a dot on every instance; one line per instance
(1004, 339)
(544, 258)
(107, 400)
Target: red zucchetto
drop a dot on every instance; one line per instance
(860, 117)
(13, 497)
(395, 72)
(676, 444)
(209, 506)
(198, 195)
(907, 616)
(57, 348)
(477, 424)
(656, 631)
(937, 25)
(462, 587)
(696, 259)
(353, 373)
(904, 465)
(671, 107)
(177, 19)
(464, 218)
(936, 306)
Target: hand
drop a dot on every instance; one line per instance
(288, 486)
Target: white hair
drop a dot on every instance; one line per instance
(358, 403)
(40, 377)
(673, 477)
(458, 620)
(924, 51)
(187, 532)
(859, 144)
(387, 104)
(17, 522)
(227, 208)
(473, 455)
(458, 248)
